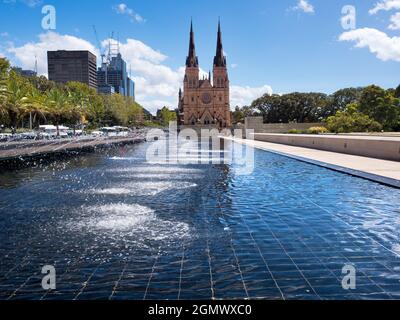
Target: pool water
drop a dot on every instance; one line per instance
(117, 227)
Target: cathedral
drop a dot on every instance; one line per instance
(205, 102)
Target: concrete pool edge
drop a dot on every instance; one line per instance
(391, 182)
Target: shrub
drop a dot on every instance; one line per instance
(344, 122)
(317, 130)
(294, 131)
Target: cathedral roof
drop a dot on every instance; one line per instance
(205, 83)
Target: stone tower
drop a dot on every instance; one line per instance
(205, 102)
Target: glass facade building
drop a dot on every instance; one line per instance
(115, 74)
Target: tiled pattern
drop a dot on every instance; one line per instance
(284, 232)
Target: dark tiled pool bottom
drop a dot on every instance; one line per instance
(117, 228)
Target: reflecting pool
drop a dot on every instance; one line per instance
(117, 227)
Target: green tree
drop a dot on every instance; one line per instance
(134, 111)
(16, 98)
(4, 71)
(293, 107)
(42, 84)
(166, 116)
(341, 99)
(87, 100)
(35, 104)
(59, 106)
(382, 106)
(351, 120)
(238, 115)
(4, 67)
(70, 103)
(121, 110)
(397, 92)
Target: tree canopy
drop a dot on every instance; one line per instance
(372, 108)
(165, 116)
(71, 104)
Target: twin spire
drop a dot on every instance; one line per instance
(219, 60)
(192, 60)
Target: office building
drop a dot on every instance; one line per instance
(65, 66)
(25, 73)
(114, 73)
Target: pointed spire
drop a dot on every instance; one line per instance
(219, 60)
(192, 60)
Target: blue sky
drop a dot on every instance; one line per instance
(279, 46)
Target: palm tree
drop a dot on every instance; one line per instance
(4, 70)
(16, 98)
(35, 104)
(79, 104)
(58, 105)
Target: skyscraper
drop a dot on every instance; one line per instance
(25, 73)
(114, 74)
(65, 66)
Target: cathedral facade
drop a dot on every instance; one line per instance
(205, 102)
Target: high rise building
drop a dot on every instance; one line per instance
(114, 74)
(25, 73)
(205, 102)
(65, 66)
(131, 88)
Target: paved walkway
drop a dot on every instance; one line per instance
(336, 136)
(383, 171)
(15, 150)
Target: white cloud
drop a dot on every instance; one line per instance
(25, 55)
(4, 34)
(241, 96)
(29, 3)
(122, 8)
(395, 21)
(234, 65)
(157, 84)
(379, 43)
(385, 5)
(137, 50)
(32, 3)
(305, 6)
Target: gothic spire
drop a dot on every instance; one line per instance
(219, 60)
(192, 60)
